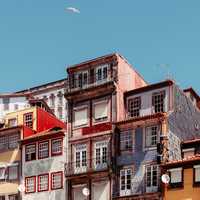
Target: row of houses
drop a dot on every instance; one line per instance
(115, 137)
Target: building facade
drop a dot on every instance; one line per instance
(95, 97)
(150, 135)
(184, 174)
(43, 159)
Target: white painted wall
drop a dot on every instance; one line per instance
(20, 101)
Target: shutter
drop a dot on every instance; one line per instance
(80, 117)
(100, 191)
(197, 173)
(101, 110)
(176, 176)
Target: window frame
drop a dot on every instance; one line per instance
(34, 179)
(176, 184)
(13, 195)
(151, 147)
(11, 120)
(38, 183)
(131, 143)
(126, 191)
(8, 172)
(59, 153)
(134, 109)
(195, 183)
(102, 119)
(77, 109)
(29, 121)
(35, 152)
(159, 93)
(152, 188)
(39, 143)
(55, 173)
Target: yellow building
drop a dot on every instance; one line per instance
(184, 174)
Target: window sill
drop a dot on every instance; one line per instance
(150, 148)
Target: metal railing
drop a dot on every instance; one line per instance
(85, 166)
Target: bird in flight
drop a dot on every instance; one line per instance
(72, 9)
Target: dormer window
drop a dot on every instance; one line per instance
(134, 106)
(102, 73)
(158, 101)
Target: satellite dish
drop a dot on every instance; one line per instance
(21, 188)
(165, 178)
(86, 192)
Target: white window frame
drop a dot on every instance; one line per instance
(15, 175)
(28, 120)
(151, 188)
(103, 118)
(126, 172)
(159, 93)
(101, 78)
(78, 109)
(101, 155)
(3, 172)
(134, 108)
(148, 135)
(43, 182)
(12, 122)
(30, 152)
(127, 140)
(13, 140)
(80, 158)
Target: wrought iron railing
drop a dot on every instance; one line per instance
(85, 166)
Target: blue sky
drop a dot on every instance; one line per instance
(38, 38)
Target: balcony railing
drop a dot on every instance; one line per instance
(85, 166)
(77, 84)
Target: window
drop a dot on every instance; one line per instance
(56, 147)
(28, 120)
(16, 106)
(60, 99)
(152, 178)
(13, 141)
(43, 182)
(80, 158)
(12, 197)
(80, 117)
(43, 150)
(134, 106)
(151, 137)
(56, 180)
(52, 101)
(102, 73)
(2, 173)
(12, 122)
(126, 140)
(2, 197)
(30, 184)
(13, 172)
(197, 174)
(3, 142)
(188, 152)
(125, 181)
(101, 154)
(158, 101)
(101, 111)
(176, 177)
(30, 152)
(6, 102)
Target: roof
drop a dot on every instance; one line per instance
(149, 87)
(41, 86)
(153, 116)
(194, 93)
(11, 128)
(185, 161)
(44, 134)
(9, 95)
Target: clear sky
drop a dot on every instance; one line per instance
(38, 38)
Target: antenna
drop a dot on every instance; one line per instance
(166, 69)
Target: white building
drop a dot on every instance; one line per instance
(43, 159)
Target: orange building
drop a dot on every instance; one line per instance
(184, 174)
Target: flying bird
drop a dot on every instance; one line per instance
(72, 9)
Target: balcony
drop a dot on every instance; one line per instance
(87, 166)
